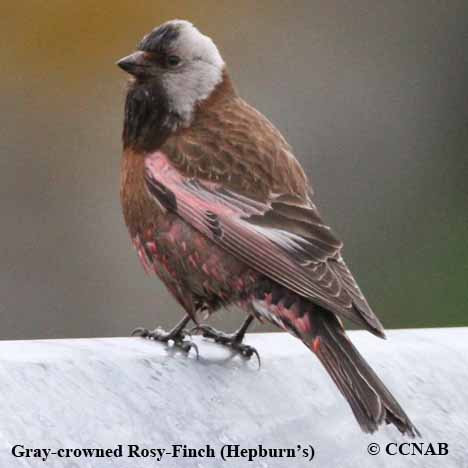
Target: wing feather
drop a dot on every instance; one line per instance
(280, 238)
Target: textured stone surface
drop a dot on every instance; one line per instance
(103, 392)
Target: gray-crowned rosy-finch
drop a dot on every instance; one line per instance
(220, 209)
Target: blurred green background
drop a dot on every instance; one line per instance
(373, 96)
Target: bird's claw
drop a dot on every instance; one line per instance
(178, 338)
(140, 331)
(209, 332)
(231, 340)
(187, 346)
(246, 351)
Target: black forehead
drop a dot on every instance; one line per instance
(160, 39)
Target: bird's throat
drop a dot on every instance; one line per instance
(148, 120)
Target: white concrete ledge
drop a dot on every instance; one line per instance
(103, 392)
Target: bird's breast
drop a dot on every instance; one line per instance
(188, 262)
(140, 211)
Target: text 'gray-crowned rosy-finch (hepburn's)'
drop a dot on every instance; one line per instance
(220, 209)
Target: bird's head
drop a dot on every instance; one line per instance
(177, 62)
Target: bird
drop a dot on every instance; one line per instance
(219, 208)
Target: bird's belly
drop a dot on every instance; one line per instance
(192, 266)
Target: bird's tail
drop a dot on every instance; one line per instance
(370, 401)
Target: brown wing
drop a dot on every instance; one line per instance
(231, 142)
(282, 237)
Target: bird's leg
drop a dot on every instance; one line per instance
(233, 340)
(177, 335)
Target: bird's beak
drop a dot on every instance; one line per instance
(135, 63)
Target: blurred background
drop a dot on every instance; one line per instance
(373, 96)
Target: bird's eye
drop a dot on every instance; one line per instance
(173, 60)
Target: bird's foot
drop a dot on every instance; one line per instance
(177, 336)
(231, 340)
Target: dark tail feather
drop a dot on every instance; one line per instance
(370, 401)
